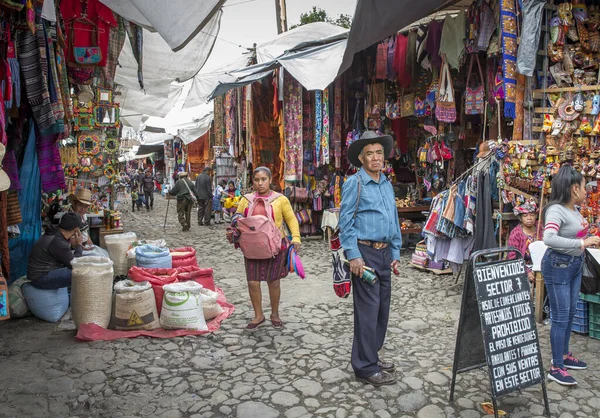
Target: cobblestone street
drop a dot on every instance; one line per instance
(300, 371)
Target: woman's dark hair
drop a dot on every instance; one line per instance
(562, 182)
(264, 169)
(223, 183)
(231, 182)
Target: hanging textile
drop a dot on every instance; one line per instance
(51, 170)
(33, 79)
(219, 120)
(318, 125)
(30, 200)
(487, 27)
(432, 45)
(518, 125)
(404, 77)
(292, 121)
(9, 163)
(115, 46)
(47, 38)
(249, 124)
(325, 139)
(229, 119)
(411, 56)
(15, 73)
(391, 50)
(136, 40)
(336, 135)
(4, 251)
(381, 61)
(508, 19)
(484, 217)
(422, 58)
(452, 43)
(308, 132)
(530, 35)
(239, 100)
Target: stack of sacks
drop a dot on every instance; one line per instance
(131, 250)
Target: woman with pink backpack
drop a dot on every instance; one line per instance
(259, 220)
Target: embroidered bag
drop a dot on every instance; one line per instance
(304, 216)
(474, 97)
(420, 108)
(407, 105)
(85, 56)
(445, 108)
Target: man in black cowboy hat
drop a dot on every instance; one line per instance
(370, 235)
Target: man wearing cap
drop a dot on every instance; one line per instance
(50, 259)
(205, 195)
(370, 235)
(186, 194)
(81, 201)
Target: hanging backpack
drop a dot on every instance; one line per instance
(260, 238)
(474, 97)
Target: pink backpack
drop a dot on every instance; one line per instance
(259, 236)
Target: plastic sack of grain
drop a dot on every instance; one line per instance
(157, 278)
(182, 307)
(134, 306)
(91, 290)
(153, 257)
(210, 307)
(184, 257)
(117, 246)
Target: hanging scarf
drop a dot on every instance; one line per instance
(116, 41)
(336, 136)
(318, 126)
(135, 34)
(508, 20)
(15, 75)
(520, 110)
(219, 121)
(325, 139)
(292, 117)
(337, 192)
(51, 171)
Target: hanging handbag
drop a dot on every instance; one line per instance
(304, 216)
(474, 97)
(85, 56)
(392, 107)
(375, 105)
(445, 108)
(407, 105)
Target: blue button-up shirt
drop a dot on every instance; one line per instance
(376, 218)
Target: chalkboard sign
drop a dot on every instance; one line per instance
(497, 305)
(509, 331)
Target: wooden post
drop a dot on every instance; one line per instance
(281, 16)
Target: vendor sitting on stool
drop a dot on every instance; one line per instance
(50, 260)
(524, 233)
(81, 201)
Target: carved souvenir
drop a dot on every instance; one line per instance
(83, 122)
(111, 145)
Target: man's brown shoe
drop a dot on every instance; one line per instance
(386, 366)
(379, 379)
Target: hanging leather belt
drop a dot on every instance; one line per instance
(373, 244)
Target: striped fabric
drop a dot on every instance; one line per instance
(35, 85)
(268, 270)
(376, 218)
(421, 42)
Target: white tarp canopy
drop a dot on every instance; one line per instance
(176, 21)
(188, 124)
(312, 54)
(376, 20)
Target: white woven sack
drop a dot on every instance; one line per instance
(117, 246)
(182, 307)
(210, 307)
(91, 290)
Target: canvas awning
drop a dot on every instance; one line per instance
(177, 21)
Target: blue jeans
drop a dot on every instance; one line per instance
(54, 279)
(562, 275)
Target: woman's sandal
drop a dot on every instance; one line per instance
(253, 325)
(277, 324)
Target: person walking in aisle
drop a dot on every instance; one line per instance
(205, 195)
(217, 206)
(566, 235)
(370, 235)
(277, 209)
(148, 187)
(185, 192)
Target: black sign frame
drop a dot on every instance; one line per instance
(472, 350)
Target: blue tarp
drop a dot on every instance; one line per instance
(30, 200)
